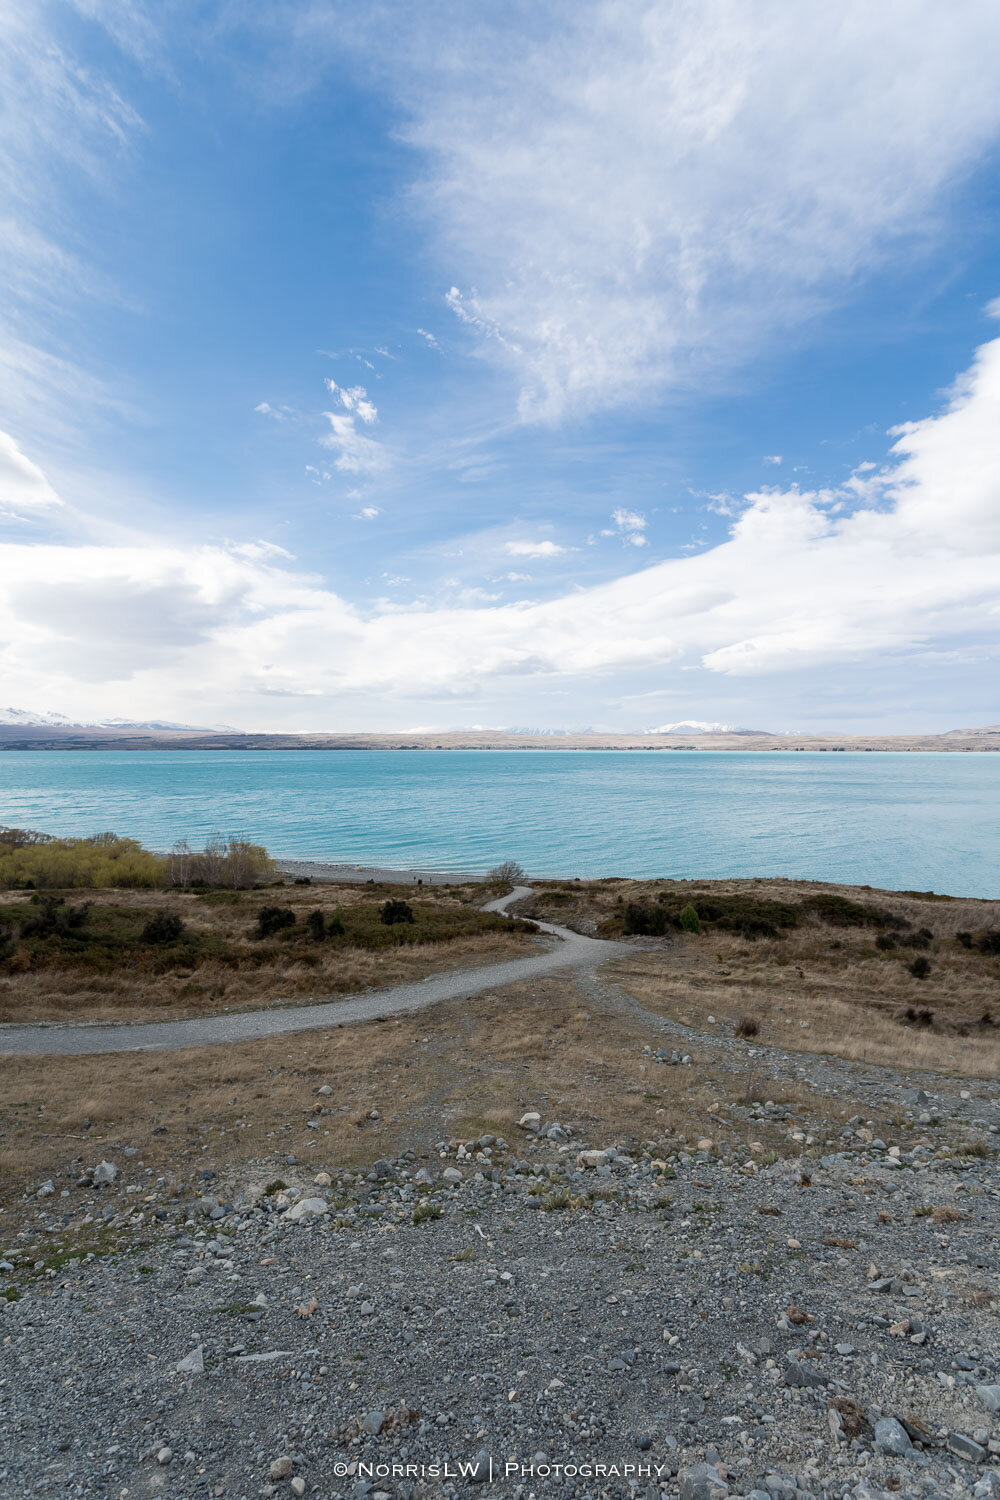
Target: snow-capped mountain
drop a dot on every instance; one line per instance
(700, 726)
(27, 718)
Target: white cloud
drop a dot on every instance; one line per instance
(431, 340)
(367, 513)
(630, 195)
(60, 122)
(772, 458)
(909, 568)
(356, 454)
(534, 549)
(354, 398)
(261, 551)
(23, 486)
(629, 525)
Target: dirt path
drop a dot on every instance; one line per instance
(570, 951)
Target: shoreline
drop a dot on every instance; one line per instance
(327, 872)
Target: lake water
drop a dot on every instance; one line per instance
(902, 821)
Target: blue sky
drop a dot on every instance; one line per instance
(433, 367)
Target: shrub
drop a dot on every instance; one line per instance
(690, 920)
(316, 923)
(336, 927)
(272, 919)
(965, 938)
(840, 911)
(35, 861)
(55, 919)
(886, 940)
(163, 928)
(396, 911)
(990, 942)
(919, 1016)
(920, 968)
(747, 1026)
(641, 920)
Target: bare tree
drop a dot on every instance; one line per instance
(508, 872)
(212, 861)
(180, 863)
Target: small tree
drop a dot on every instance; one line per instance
(336, 927)
(316, 924)
(508, 872)
(690, 920)
(920, 968)
(396, 911)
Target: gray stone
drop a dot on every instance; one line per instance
(801, 1373)
(193, 1363)
(281, 1467)
(989, 1395)
(104, 1174)
(164, 1456)
(891, 1437)
(306, 1208)
(988, 1488)
(965, 1447)
(372, 1423)
(479, 1473)
(702, 1483)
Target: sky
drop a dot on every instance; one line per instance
(564, 365)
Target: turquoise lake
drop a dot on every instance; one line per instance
(901, 821)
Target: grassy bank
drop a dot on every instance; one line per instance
(91, 955)
(878, 976)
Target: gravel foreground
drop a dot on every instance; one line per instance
(538, 1316)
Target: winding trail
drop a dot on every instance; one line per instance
(571, 951)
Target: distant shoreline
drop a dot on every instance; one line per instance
(14, 738)
(326, 873)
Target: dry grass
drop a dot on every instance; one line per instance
(303, 972)
(850, 1011)
(455, 1070)
(859, 1001)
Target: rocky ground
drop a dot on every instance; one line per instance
(668, 1317)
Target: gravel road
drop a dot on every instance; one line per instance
(570, 951)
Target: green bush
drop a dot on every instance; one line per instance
(841, 911)
(689, 919)
(642, 920)
(54, 919)
(396, 911)
(316, 925)
(165, 927)
(336, 926)
(272, 919)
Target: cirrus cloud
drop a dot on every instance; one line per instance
(908, 562)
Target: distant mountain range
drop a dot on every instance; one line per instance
(27, 718)
(699, 726)
(689, 726)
